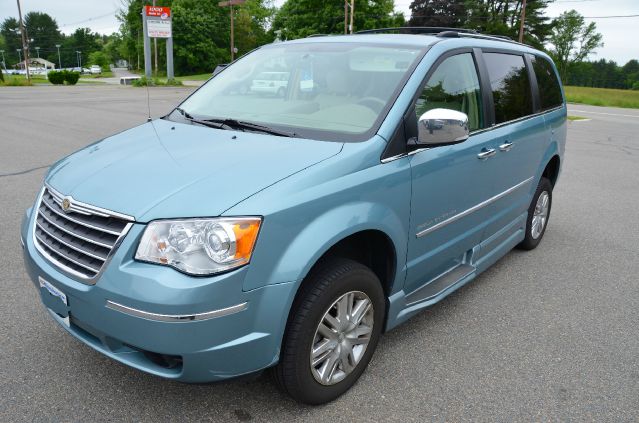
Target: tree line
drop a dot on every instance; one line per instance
(201, 31)
(44, 35)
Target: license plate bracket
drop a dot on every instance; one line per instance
(54, 299)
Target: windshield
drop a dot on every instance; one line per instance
(330, 91)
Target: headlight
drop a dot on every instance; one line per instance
(200, 246)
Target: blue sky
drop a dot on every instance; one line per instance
(620, 35)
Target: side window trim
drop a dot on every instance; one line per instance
(487, 92)
(533, 84)
(532, 57)
(433, 68)
(408, 131)
(513, 53)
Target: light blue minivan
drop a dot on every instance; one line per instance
(243, 231)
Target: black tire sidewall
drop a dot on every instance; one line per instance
(356, 278)
(529, 242)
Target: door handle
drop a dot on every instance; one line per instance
(486, 154)
(506, 146)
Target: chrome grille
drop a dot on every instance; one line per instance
(79, 239)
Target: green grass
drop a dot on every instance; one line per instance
(199, 77)
(576, 118)
(603, 97)
(21, 80)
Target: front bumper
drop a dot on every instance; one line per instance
(163, 322)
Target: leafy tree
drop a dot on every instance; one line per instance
(448, 13)
(200, 36)
(132, 48)
(572, 40)
(201, 32)
(251, 21)
(99, 58)
(498, 17)
(631, 73)
(301, 18)
(44, 32)
(82, 40)
(503, 17)
(10, 31)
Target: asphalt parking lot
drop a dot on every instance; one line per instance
(546, 335)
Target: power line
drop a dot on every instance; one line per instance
(91, 18)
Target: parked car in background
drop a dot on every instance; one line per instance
(95, 70)
(270, 83)
(243, 232)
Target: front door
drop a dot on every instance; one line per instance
(450, 184)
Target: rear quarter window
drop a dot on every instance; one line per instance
(510, 85)
(549, 88)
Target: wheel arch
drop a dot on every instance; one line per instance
(551, 171)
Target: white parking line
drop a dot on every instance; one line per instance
(601, 113)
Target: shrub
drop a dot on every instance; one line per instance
(71, 78)
(635, 86)
(173, 82)
(155, 82)
(144, 81)
(56, 77)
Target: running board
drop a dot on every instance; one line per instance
(439, 284)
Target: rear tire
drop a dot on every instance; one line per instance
(538, 215)
(332, 332)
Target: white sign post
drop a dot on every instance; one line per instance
(156, 22)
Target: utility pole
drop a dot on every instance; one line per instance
(352, 13)
(38, 51)
(59, 61)
(345, 17)
(230, 4)
(523, 19)
(25, 45)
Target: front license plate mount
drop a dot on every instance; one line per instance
(55, 300)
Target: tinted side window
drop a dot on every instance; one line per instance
(549, 89)
(510, 85)
(454, 85)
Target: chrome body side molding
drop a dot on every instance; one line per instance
(472, 209)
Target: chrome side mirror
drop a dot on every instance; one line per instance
(442, 126)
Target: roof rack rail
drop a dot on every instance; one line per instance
(503, 38)
(317, 35)
(443, 32)
(417, 30)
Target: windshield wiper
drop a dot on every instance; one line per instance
(244, 125)
(234, 124)
(204, 122)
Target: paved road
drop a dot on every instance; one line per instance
(117, 74)
(547, 335)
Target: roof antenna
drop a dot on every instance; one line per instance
(148, 100)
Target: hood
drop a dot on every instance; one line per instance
(165, 169)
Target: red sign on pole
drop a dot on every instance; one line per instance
(161, 12)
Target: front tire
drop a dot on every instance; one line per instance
(332, 332)
(538, 215)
